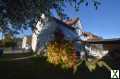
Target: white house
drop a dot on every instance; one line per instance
(45, 33)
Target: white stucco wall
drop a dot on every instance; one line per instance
(24, 42)
(36, 33)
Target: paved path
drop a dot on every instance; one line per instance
(16, 51)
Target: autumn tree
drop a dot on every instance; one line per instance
(9, 40)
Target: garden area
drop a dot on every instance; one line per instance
(35, 67)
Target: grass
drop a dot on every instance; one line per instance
(38, 68)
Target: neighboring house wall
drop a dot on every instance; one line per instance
(18, 42)
(24, 42)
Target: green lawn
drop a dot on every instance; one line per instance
(38, 68)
